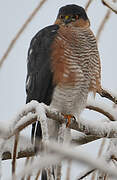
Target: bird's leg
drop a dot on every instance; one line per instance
(68, 118)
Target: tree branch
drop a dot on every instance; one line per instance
(105, 129)
(22, 154)
(101, 27)
(85, 174)
(88, 4)
(14, 155)
(98, 109)
(21, 31)
(106, 94)
(111, 5)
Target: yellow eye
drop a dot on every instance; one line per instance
(66, 17)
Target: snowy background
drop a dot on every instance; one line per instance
(13, 72)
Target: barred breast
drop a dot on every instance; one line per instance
(76, 69)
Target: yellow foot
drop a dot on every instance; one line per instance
(68, 118)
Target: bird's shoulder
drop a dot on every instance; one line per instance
(39, 51)
(44, 37)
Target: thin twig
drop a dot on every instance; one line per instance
(88, 4)
(31, 160)
(104, 21)
(14, 155)
(38, 174)
(68, 170)
(84, 139)
(86, 174)
(110, 5)
(11, 45)
(26, 162)
(106, 94)
(107, 114)
(99, 154)
(101, 147)
(22, 154)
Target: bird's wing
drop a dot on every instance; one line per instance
(39, 82)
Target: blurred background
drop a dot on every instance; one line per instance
(13, 14)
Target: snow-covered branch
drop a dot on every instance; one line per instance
(100, 129)
(110, 4)
(65, 152)
(108, 94)
(35, 110)
(26, 149)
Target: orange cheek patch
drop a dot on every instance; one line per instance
(81, 23)
(60, 65)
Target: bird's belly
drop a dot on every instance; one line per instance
(69, 100)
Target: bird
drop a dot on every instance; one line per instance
(63, 65)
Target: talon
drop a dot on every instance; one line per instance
(68, 118)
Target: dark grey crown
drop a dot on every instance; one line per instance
(73, 9)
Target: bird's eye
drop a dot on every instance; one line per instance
(62, 16)
(74, 17)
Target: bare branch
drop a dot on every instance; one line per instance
(38, 174)
(14, 155)
(84, 139)
(101, 147)
(88, 4)
(111, 5)
(86, 174)
(68, 170)
(26, 162)
(106, 94)
(107, 114)
(104, 21)
(99, 154)
(11, 45)
(21, 154)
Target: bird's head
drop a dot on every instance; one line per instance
(72, 15)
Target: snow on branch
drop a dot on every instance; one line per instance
(100, 129)
(43, 161)
(34, 110)
(108, 94)
(58, 154)
(26, 149)
(103, 108)
(110, 5)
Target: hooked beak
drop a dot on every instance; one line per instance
(67, 19)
